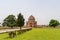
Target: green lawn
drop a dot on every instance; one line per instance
(36, 34)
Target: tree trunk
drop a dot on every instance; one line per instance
(20, 28)
(11, 27)
(54, 26)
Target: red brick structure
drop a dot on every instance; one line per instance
(31, 22)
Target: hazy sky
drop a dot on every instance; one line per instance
(42, 10)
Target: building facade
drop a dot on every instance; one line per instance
(31, 22)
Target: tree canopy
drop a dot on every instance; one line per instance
(10, 21)
(20, 20)
(53, 23)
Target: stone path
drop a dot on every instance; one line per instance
(10, 30)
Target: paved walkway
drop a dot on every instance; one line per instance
(10, 30)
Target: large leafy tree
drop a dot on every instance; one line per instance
(10, 21)
(20, 20)
(53, 23)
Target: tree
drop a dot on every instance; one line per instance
(53, 23)
(10, 21)
(20, 20)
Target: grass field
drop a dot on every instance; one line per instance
(36, 34)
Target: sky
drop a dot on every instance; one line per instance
(42, 10)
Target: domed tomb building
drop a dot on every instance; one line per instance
(31, 22)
